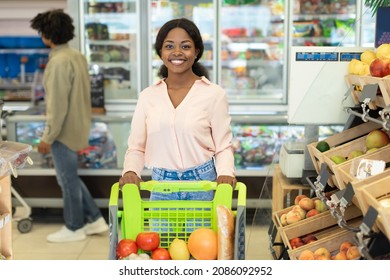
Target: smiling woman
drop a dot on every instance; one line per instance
(181, 124)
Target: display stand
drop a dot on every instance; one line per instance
(284, 191)
(5, 218)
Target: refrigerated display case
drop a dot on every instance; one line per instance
(109, 40)
(346, 23)
(245, 41)
(105, 153)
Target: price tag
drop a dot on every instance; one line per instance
(347, 196)
(369, 91)
(337, 197)
(324, 176)
(368, 220)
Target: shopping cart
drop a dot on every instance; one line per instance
(173, 218)
(13, 156)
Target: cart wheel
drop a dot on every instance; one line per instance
(25, 225)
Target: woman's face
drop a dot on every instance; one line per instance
(178, 51)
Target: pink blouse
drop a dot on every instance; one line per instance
(183, 137)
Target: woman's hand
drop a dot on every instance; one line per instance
(130, 177)
(227, 180)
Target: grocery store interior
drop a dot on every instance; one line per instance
(297, 74)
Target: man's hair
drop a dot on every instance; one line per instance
(54, 25)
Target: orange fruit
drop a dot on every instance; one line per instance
(203, 244)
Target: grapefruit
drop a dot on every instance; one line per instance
(203, 244)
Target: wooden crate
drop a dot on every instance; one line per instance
(332, 242)
(383, 99)
(284, 191)
(321, 224)
(344, 150)
(345, 172)
(358, 82)
(336, 140)
(369, 195)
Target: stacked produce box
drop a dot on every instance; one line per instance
(356, 159)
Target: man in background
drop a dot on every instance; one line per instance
(68, 120)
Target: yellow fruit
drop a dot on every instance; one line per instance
(352, 67)
(367, 56)
(356, 153)
(338, 159)
(377, 139)
(383, 51)
(178, 250)
(364, 70)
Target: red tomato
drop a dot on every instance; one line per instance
(148, 241)
(160, 254)
(125, 248)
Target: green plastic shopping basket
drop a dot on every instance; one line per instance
(129, 214)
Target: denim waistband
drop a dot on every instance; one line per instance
(205, 167)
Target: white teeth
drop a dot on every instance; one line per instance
(177, 62)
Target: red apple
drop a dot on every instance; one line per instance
(308, 238)
(300, 211)
(353, 253)
(320, 205)
(306, 203)
(298, 198)
(322, 253)
(293, 216)
(380, 67)
(306, 255)
(296, 242)
(312, 212)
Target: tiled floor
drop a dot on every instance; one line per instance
(33, 245)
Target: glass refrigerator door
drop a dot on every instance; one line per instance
(201, 12)
(109, 30)
(252, 50)
(324, 23)
(368, 25)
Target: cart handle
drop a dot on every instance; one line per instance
(169, 186)
(177, 186)
(241, 198)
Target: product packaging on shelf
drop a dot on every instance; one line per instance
(13, 155)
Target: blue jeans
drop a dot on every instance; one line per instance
(79, 206)
(205, 171)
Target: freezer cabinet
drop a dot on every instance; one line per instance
(107, 141)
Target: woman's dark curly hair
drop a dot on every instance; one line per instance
(194, 33)
(54, 25)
